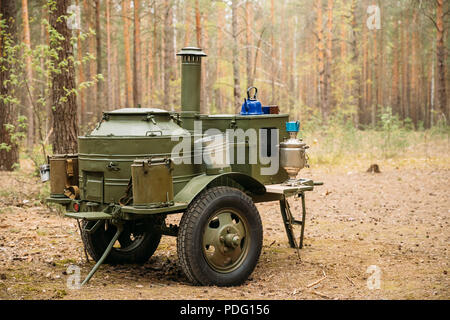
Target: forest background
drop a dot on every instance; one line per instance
(366, 77)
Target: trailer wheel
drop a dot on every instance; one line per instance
(220, 238)
(136, 244)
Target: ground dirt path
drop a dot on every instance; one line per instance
(397, 220)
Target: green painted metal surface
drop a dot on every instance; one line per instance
(125, 135)
(191, 74)
(143, 210)
(245, 123)
(196, 185)
(96, 215)
(152, 181)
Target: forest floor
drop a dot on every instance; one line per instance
(396, 221)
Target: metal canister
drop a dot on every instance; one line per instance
(44, 171)
(292, 153)
(152, 182)
(63, 173)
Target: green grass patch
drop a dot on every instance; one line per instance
(339, 142)
(65, 262)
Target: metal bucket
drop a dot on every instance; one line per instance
(44, 171)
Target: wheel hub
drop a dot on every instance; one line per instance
(224, 241)
(232, 240)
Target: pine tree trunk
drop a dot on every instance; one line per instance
(357, 83)
(380, 92)
(236, 76)
(405, 70)
(329, 57)
(29, 74)
(137, 78)
(414, 74)
(323, 101)
(91, 92)
(364, 117)
(168, 54)
(128, 71)
(8, 156)
(205, 79)
(98, 43)
(395, 95)
(272, 51)
(187, 24)
(218, 91)
(343, 51)
(81, 77)
(375, 82)
(150, 60)
(441, 61)
(248, 42)
(117, 79)
(64, 107)
(198, 25)
(109, 80)
(200, 44)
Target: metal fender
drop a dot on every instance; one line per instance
(199, 183)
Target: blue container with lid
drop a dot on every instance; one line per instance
(293, 126)
(251, 106)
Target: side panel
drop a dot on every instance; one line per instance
(112, 157)
(94, 186)
(256, 123)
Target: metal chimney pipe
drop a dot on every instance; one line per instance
(191, 74)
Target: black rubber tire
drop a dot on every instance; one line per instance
(138, 253)
(192, 224)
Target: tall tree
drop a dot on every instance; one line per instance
(236, 76)
(169, 60)
(109, 84)
(63, 97)
(356, 83)
(98, 60)
(126, 38)
(405, 67)
(200, 44)
(248, 42)
(187, 24)
(272, 51)
(329, 56)
(219, 48)
(323, 98)
(414, 70)
(441, 61)
(29, 73)
(150, 49)
(137, 78)
(9, 154)
(395, 89)
(81, 76)
(91, 94)
(198, 24)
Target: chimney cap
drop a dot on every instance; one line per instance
(191, 51)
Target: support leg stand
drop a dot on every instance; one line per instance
(105, 254)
